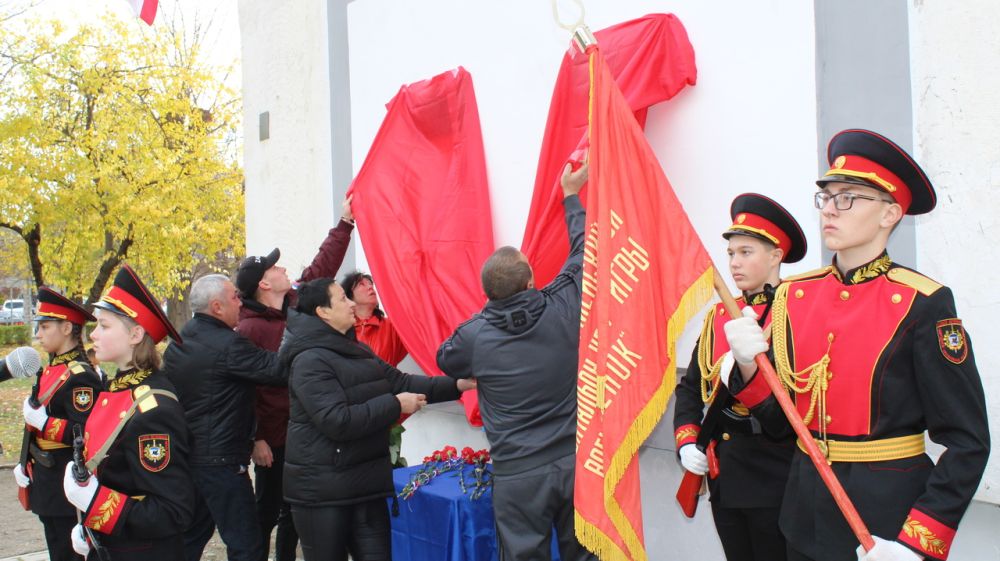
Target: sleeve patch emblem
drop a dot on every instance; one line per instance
(952, 340)
(83, 398)
(154, 451)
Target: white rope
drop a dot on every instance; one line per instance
(573, 26)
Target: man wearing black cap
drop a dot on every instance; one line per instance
(267, 294)
(876, 357)
(752, 459)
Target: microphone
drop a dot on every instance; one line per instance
(22, 362)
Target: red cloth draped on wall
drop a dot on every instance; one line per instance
(422, 207)
(652, 60)
(645, 274)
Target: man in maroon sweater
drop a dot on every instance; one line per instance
(267, 294)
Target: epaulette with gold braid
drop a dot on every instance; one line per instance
(76, 368)
(815, 273)
(914, 280)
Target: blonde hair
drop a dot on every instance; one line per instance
(144, 355)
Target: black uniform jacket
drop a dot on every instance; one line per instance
(67, 389)
(145, 500)
(753, 460)
(896, 362)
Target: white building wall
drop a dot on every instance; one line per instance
(749, 124)
(954, 49)
(289, 197)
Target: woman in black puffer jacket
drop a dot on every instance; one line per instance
(343, 401)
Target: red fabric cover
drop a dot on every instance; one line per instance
(422, 208)
(652, 60)
(645, 273)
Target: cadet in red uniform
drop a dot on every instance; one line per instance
(140, 497)
(753, 459)
(876, 356)
(66, 391)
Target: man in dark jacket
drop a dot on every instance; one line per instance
(267, 294)
(216, 373)
(344, 399)
(522, 349)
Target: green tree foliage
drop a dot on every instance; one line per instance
(118, 142)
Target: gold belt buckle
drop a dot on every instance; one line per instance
(824, 448)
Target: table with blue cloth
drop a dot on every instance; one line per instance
(440, 523)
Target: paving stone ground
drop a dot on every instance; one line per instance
(21, 536)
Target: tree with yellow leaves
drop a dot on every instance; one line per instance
(117, 142)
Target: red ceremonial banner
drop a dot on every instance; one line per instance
(422, 206)
(652, 60)
(645, 274)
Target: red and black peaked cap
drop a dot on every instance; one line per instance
(760, 217)
(129, 297)
(53, 306)
(867, 158)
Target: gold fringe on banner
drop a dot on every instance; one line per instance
(591, 537)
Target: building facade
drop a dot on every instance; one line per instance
(775, 81)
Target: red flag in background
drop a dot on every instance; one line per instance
(144, 9)
(652, 60)
(645, 274)
(422, 206)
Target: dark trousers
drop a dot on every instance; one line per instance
(161, 549)
(529, 505)
(794, 555)
(272, 510)
(57, 537)
(749, 534)
(329, 533)
(224, 498)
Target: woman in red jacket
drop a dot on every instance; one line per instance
(371, 326)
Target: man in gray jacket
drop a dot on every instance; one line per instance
(522, 349)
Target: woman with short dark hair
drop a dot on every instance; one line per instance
(344, 399)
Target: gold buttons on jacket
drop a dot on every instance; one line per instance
(799, 293)
(844, 295)
(829, 419)
(121, 415)
(104, 402)
(725, 436)
(896, 298)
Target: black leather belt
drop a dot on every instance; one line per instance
(740, 424)
(219, 460)
(43, 458)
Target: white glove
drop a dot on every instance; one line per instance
(693, 459)
(886, 550)
(78, 495)
(746, 338)
(726, 370)
(80, 544)
(34, 417)
(21, 477)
